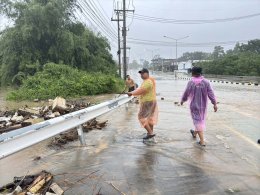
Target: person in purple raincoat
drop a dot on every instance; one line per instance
(197, 93)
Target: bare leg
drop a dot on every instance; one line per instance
(148, 129)
(195, 133)
(201, 137)
(151, 126)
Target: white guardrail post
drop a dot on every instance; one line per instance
(81, 135)
(20, 139)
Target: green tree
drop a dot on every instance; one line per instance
(46, 31)
(146, 64)
(243, 60)
(134, 65)
(197, 55)
(218, 52)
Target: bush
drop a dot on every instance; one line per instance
(242, 64)
(63, 80)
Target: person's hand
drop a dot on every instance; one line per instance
(215, 108)
(129, 94)
(182, 102)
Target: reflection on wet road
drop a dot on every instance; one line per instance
(117, 162)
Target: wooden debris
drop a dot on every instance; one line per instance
(37, 158)
(122, 193)
(72, 135)
(10, 128)
(57, 189)
(49, 193)
(29, 111)
(30, 184)
(94, 124)
(31, 121)
(4, 119)
(12, 120)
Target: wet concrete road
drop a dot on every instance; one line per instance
(117, 162)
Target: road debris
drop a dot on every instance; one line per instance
(72, 135)
(12, 120)
(41, 183)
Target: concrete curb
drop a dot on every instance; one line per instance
(223, 81)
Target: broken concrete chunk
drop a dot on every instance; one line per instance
(59, 104)
(48, 116)
(56, 114)
(16, 118)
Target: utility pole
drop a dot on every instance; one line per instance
(124, 38)
(119, 40)
(119, 46)
(127, 62)
(124, 10)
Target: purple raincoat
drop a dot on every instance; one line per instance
(197, 92)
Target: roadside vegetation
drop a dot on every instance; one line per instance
(63, 80)
(47, 32)
(242, 60)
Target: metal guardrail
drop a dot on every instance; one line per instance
(20, 139)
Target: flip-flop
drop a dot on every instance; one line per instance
(203, 145)
(148, 137)
(193, 133)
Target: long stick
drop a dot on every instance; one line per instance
(123, 92)
(122, 193)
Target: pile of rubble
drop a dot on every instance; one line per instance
(41, 183)
(11, 120)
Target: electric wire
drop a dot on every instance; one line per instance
(175, 21)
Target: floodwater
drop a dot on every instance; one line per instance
(115, 161)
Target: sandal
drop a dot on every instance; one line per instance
(203, 145)
(148, 136)
(193, 133)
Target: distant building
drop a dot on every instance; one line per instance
(185, 67)
(165, 65)
(157, 64)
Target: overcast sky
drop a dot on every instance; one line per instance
(245, 29)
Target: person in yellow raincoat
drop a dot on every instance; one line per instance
(148, 114)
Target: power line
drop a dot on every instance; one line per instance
(99, 19)
(105, 18)
(90, 15)
(181, 44)
(175, 21)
